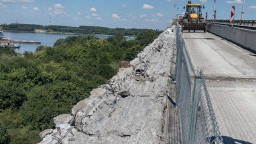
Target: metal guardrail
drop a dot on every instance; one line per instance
(249, 24)
(197, 118)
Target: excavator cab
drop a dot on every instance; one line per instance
(193, 19)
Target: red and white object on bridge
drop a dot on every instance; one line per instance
(214, 14)
(232, 20)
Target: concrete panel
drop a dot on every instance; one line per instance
(231, 80)
(243, 37)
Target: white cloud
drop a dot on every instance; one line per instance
(88, 17)
(124, 6)
(58, 6)
(95, 15)
(93, 9)
(115, 16)
(252, 7)
(118, 17)
(24, 7)
(58, 9)
(159, 15)
(143, 15)
(147, 7)
(234, 2)
(27, 1)
(35, 8)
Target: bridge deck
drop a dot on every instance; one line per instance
(231, 79)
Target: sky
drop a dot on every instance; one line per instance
(153, 14)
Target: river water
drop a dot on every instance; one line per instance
(45, 39)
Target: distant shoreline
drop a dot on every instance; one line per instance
(62, 33)
(69, 30)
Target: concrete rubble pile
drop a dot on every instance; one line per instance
(130, 108)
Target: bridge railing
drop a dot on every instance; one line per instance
(197, 118)
(236, 22)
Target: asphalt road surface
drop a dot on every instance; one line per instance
(231, 79)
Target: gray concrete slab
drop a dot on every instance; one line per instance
(219, 57)
(235, 109)
(231, 79)
(241, 36)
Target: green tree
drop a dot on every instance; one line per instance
(131, 52)
(4, 137)
(48, 101)
(9, 51)
(11, 95)
(146, 37)
(36, 87)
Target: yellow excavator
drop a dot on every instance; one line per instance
(193, 19)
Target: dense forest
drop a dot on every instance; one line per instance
(35, 87)
(76, 30)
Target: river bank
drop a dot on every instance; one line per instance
(130, 108)
(58, 29)
(30, 41)
(61, 33)
(65, 33)
(47, 39)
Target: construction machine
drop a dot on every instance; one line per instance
(193, 19)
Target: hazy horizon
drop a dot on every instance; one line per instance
(152, 14)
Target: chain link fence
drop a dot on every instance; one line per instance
(197, 118)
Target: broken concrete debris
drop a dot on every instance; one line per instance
(130, 108)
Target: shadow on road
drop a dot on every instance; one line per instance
(171, 100)
(200, 38)
(192, 31)
(230, 140)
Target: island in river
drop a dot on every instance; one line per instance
(57, 29)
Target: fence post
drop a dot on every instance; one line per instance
(177, 51)
(180, 63)
(194, 108)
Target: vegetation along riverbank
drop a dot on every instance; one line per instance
(35, 87)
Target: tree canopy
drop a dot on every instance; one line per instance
(35, 87)
(68, 29)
